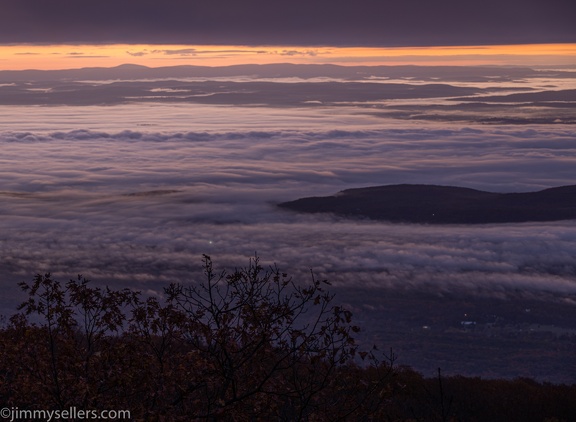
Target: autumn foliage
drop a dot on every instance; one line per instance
(251, 345)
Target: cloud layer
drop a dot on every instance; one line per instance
(132, 195)
(299, 22)
(138, 208)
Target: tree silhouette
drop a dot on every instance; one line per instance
(249, 345)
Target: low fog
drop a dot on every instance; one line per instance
(129, 182)
(139, 208)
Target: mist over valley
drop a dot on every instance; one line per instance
(129, 175)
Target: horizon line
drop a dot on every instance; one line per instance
(68, 56)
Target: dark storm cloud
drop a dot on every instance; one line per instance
(263, 22)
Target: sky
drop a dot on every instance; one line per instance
(54, 34)
(52, 155)
(296, 22)
(17, 57)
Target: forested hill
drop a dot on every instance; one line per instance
(431, 204)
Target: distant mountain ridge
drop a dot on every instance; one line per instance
(432, 204)
(279, 70)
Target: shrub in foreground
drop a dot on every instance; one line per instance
(252, 345)
(249, 345)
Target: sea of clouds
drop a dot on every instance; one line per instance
(133, 195)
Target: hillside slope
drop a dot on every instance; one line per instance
(433, 204)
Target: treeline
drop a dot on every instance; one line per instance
(251, 345)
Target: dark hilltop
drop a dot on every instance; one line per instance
(431, 204)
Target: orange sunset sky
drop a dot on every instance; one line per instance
(69, 56)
